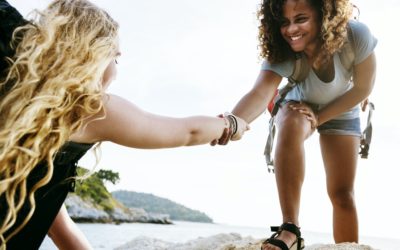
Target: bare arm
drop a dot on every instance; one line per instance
(364, 79)
(255, 102)
(128, 125)
(65, 234)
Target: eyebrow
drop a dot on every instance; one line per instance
(296, 16)
(301, 14)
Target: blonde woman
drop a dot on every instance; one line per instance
(55, 108)
(326, 101)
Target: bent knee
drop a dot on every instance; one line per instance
(291, 122)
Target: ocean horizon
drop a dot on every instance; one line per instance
(110, 236)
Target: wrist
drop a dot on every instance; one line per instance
(226, 132)
(226, 121)
(233, 124)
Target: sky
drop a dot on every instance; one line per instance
(183, 58)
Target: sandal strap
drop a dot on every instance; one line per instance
(277, 243)
(290, 227)
(275, 228)
(300, 243)
(287, 226)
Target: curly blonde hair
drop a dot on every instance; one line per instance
(333, 16)
(56, 77)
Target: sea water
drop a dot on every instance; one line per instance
(110, 236)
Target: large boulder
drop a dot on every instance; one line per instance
(85, 211)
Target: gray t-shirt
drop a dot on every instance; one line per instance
(315, 91)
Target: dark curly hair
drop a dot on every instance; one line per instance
(333, 16)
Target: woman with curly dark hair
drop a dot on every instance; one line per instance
(327, 100)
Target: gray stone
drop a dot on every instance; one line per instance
(82, 210)
(85, 211)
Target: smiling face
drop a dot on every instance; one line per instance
(300, 26)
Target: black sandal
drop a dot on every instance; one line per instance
(290, 227)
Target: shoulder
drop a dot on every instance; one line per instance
(363, 41)
(359, 29)
(284, 69)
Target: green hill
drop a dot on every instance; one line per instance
(154, 204)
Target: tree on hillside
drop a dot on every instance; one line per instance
(108, 175)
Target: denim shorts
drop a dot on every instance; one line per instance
(341, 127)
(336, 126)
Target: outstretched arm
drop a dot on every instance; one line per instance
(256, 100)
(65, 234)
(126, 124)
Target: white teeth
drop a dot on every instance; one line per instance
(294, 38)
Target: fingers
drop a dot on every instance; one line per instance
(241, 132)
(298, 106)
(313, 121)
(307, 112)
(364, 104)
(236, 136)
(224, 139)
(243, 126)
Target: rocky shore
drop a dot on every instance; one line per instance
(230, 241)
(83, 211)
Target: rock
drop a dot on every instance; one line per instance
(341, 246)
(121, 215)
(140, 215)
(230, 241)
(159, 218)
(145, 243)
(85, 211)
(219, 241)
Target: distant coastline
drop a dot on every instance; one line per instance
(157, 205)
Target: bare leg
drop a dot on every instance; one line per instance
(340, 154)
(293, 130)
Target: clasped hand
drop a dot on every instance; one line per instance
(308, 112)
(241, 127)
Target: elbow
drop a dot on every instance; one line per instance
(194, 138)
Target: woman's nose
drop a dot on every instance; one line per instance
(292, 28)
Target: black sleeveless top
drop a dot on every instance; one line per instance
(10, 19)
(49, 198)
